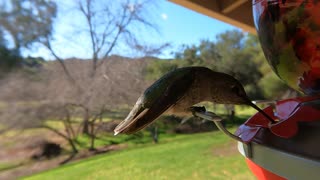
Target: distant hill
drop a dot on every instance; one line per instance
(119, 80)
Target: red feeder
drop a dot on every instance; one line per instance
(289, 33)
(287, 149)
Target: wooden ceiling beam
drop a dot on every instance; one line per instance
(234, 5)
(239, 14)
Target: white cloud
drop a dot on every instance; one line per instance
(164, 16)
(131, 7)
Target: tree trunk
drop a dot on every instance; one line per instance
(86, 123)
(85, 129)
(231, 112)
(154, 134)
(92, 137)
(73, 146)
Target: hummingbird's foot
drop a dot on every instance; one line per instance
(197, 109)
(210, 116)
(202, 113)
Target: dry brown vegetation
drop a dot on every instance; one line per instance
(31, 100)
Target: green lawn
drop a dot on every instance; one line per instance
(197, 156)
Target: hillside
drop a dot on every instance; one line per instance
(121, 79)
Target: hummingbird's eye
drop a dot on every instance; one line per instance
(235, 89)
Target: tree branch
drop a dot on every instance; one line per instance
(55, 131)
(60, 60)
(87, 12)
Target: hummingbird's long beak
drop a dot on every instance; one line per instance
(140, 117)
(261, 111)
(129, 125)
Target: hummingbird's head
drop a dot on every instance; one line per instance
(228, 90)
(232, 92)
(239, 94)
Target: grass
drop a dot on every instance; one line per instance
(9, 165)
(197, 156)
(59, 124)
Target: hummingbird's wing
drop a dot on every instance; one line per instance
(147, 109)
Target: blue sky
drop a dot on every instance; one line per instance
(177, 25)
(184, 26)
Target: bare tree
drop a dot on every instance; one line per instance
(30, 100)
(25, 105)
(109, 24)
(80, 88)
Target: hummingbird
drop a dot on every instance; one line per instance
(177, 91)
